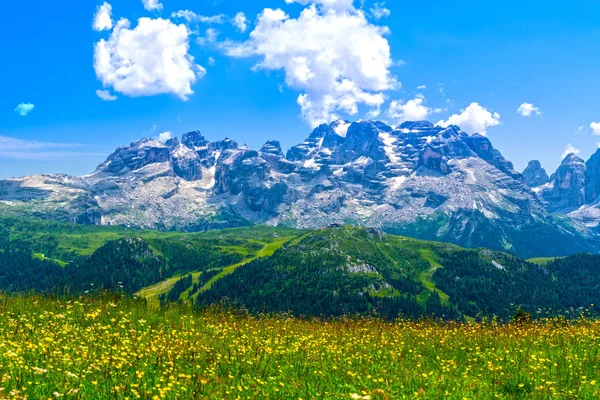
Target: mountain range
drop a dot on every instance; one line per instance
(418, 179)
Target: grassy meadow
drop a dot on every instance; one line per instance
(113, 347)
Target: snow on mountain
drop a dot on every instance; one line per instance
(424, 180)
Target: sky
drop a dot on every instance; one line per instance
(81, 79)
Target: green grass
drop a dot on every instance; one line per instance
(84, 240)
(41, 256)
(267, 250)
(426, 277)
(542, 260)
(109, 347)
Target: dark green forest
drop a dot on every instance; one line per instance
(323, 273)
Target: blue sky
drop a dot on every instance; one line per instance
(246, 83)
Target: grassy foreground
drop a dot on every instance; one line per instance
(115, 348)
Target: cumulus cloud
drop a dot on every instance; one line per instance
(335, 58)
(163, 137)
(151, 5)
(24, 109)
(106, 95)
(422, 87)
(240, 22)
(595, 127)
(102, 19)
(527, 109)
(379, 10)
(473, 119)
(150, 59)
(570, 149)
(412, 110)
(191, 16)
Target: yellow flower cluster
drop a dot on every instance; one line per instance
(115, 348)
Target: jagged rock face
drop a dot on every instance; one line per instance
(187, 164)
(534, 175)
(138, 155)
(592, 178)
(172, 143)
(484, 149)
(194, 140)
(433, 160)
(566, 190)
(311, 145)
(272, 153)
(437, 182)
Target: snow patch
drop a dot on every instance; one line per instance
(339, 172)
(183, 151)
(362, 160)
(341, 129)
(396, 182)
(388, 141)
(311, 164)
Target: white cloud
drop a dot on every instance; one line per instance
(10, 143)
(150, 5)
(527, 109)
(213, 19)
(188, 15)
(150, 59)
(595, 126)
(210, 37)
(163, 137)
(380, 11)
(191, 16)
(473, 119)
(211, 61)
(412, 110)
(20, 149)
(240, 22)
(24, 109)
(422, 87)
(102, 19)
(337, 59)
(106, 95)
(338, 5)
(570, 149)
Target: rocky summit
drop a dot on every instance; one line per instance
(416, 179)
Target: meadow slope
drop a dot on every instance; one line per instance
(117, 348)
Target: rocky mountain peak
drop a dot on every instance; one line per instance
(417, 126)
(566, 190)
(455, 186)
(534, 175)
(482, 146)
(172, 143)
(225, 144)
(572, 159)
(592, 178)
(272, 147)
(139, 154)
(194, 140)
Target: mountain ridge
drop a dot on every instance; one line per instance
(431, 181)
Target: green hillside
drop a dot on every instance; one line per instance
(327, 272)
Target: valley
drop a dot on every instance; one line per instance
(326, 272)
